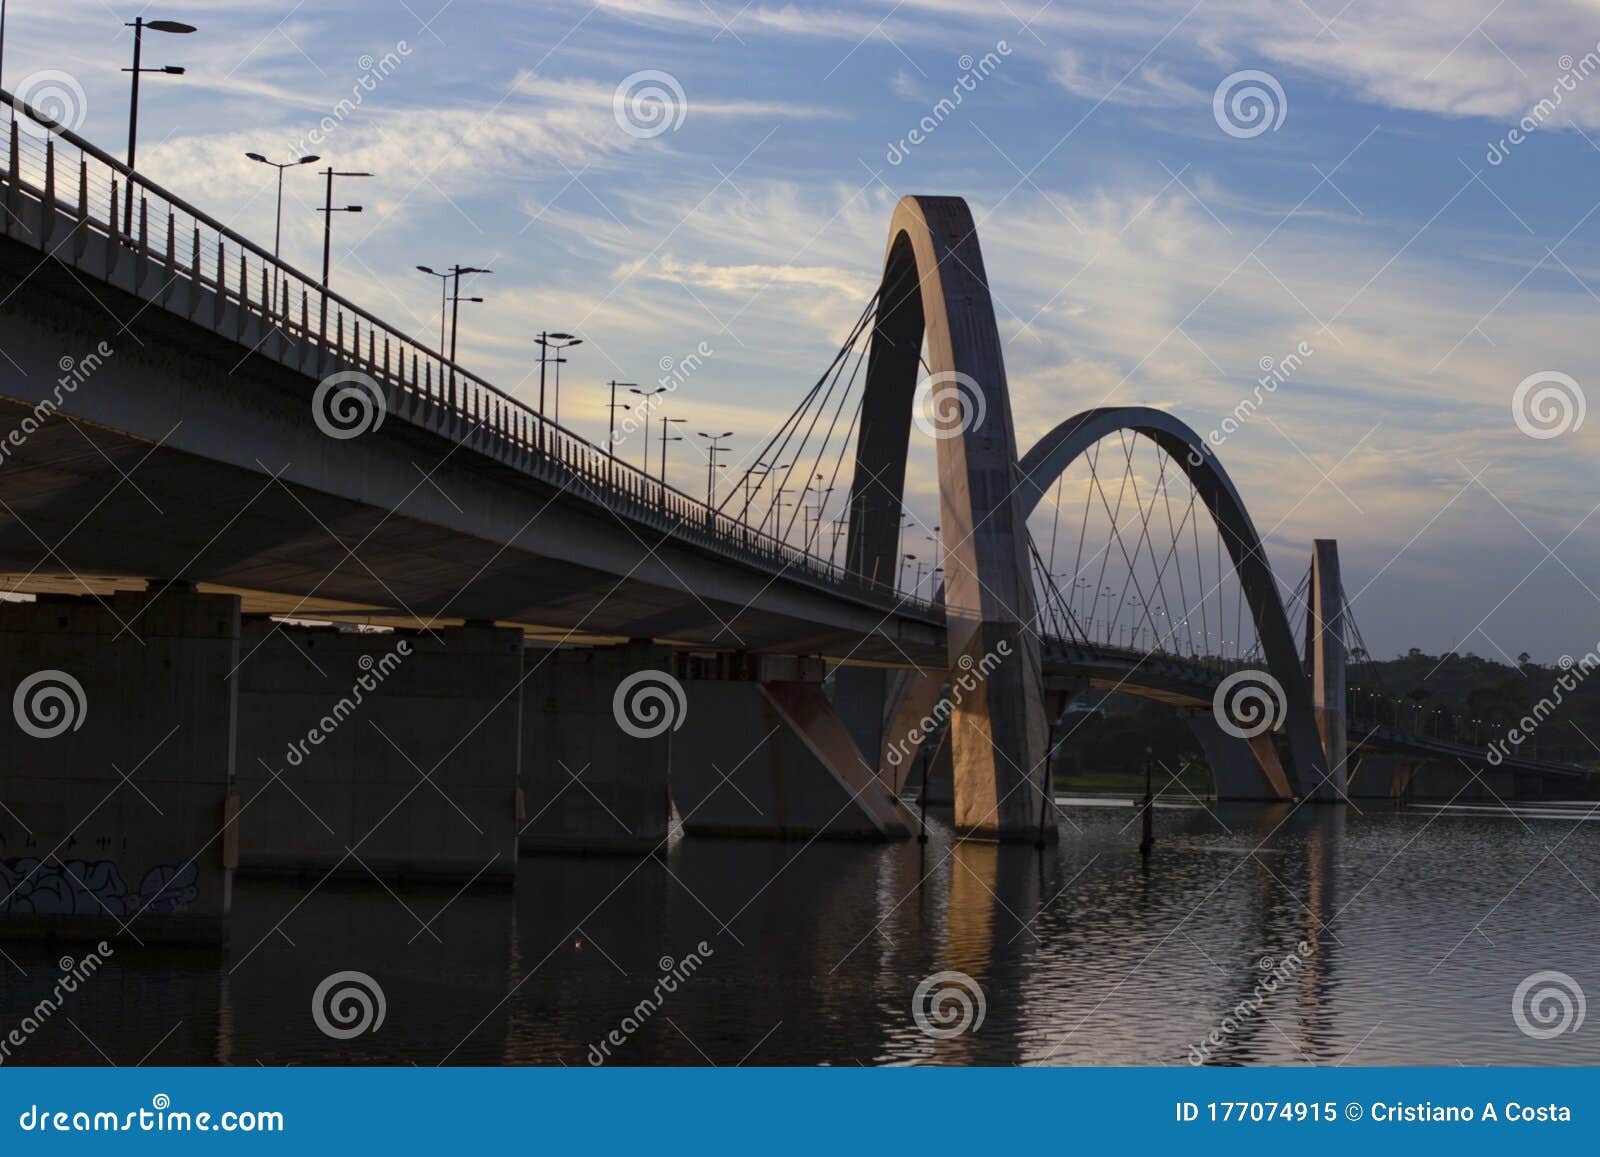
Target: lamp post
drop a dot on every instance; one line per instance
(611, 435)
(644, 396)
(277, 233)
(327, 225)
(138, 25)
(910, 558)
(664, 441)
(452, 299)
(550, 347)
(714, 447)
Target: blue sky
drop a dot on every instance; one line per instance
(1139, 253)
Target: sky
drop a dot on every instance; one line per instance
(1149, 240)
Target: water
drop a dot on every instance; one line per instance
(1418, 927)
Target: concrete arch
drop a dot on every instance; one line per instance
(1057, 450)
(934, 288)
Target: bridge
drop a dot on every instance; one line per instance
(292, 592)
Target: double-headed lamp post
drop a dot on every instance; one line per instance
(714, 447)
(550, 347)
(139, 24)
(277, 235)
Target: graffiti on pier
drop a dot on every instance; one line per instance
(29, 886)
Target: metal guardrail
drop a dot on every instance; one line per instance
(93, 189)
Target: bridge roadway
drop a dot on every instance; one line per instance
(193, 453)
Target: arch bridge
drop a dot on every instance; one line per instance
(208, 452)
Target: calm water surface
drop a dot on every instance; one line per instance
(1417, 925)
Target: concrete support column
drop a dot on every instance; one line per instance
(773, 758)
(595, 770)
(1325, 644)
(393, 754)
(117, 765)
(1241, 769)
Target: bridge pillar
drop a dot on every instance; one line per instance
(588, 785)
(1241, 769)
(392, 754)
(761, 757)
(117, 766)
(1325, 645)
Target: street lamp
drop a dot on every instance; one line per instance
(550, 347)
(451, 299)
(277, 235)
(611, 435)
(910, 558)
(645, 396)
(714, 448)
(138, 25)
(664, 441)
(327, 225)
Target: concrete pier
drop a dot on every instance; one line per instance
(116, 766)
(589, 784)
(774, 759)
(388, 754)
(1241, 769)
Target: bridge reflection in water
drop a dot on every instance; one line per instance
(1082, 954)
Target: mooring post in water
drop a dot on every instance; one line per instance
(927, 758)
(1149, 840)
(1049, 782)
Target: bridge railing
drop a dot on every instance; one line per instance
(73, 178)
